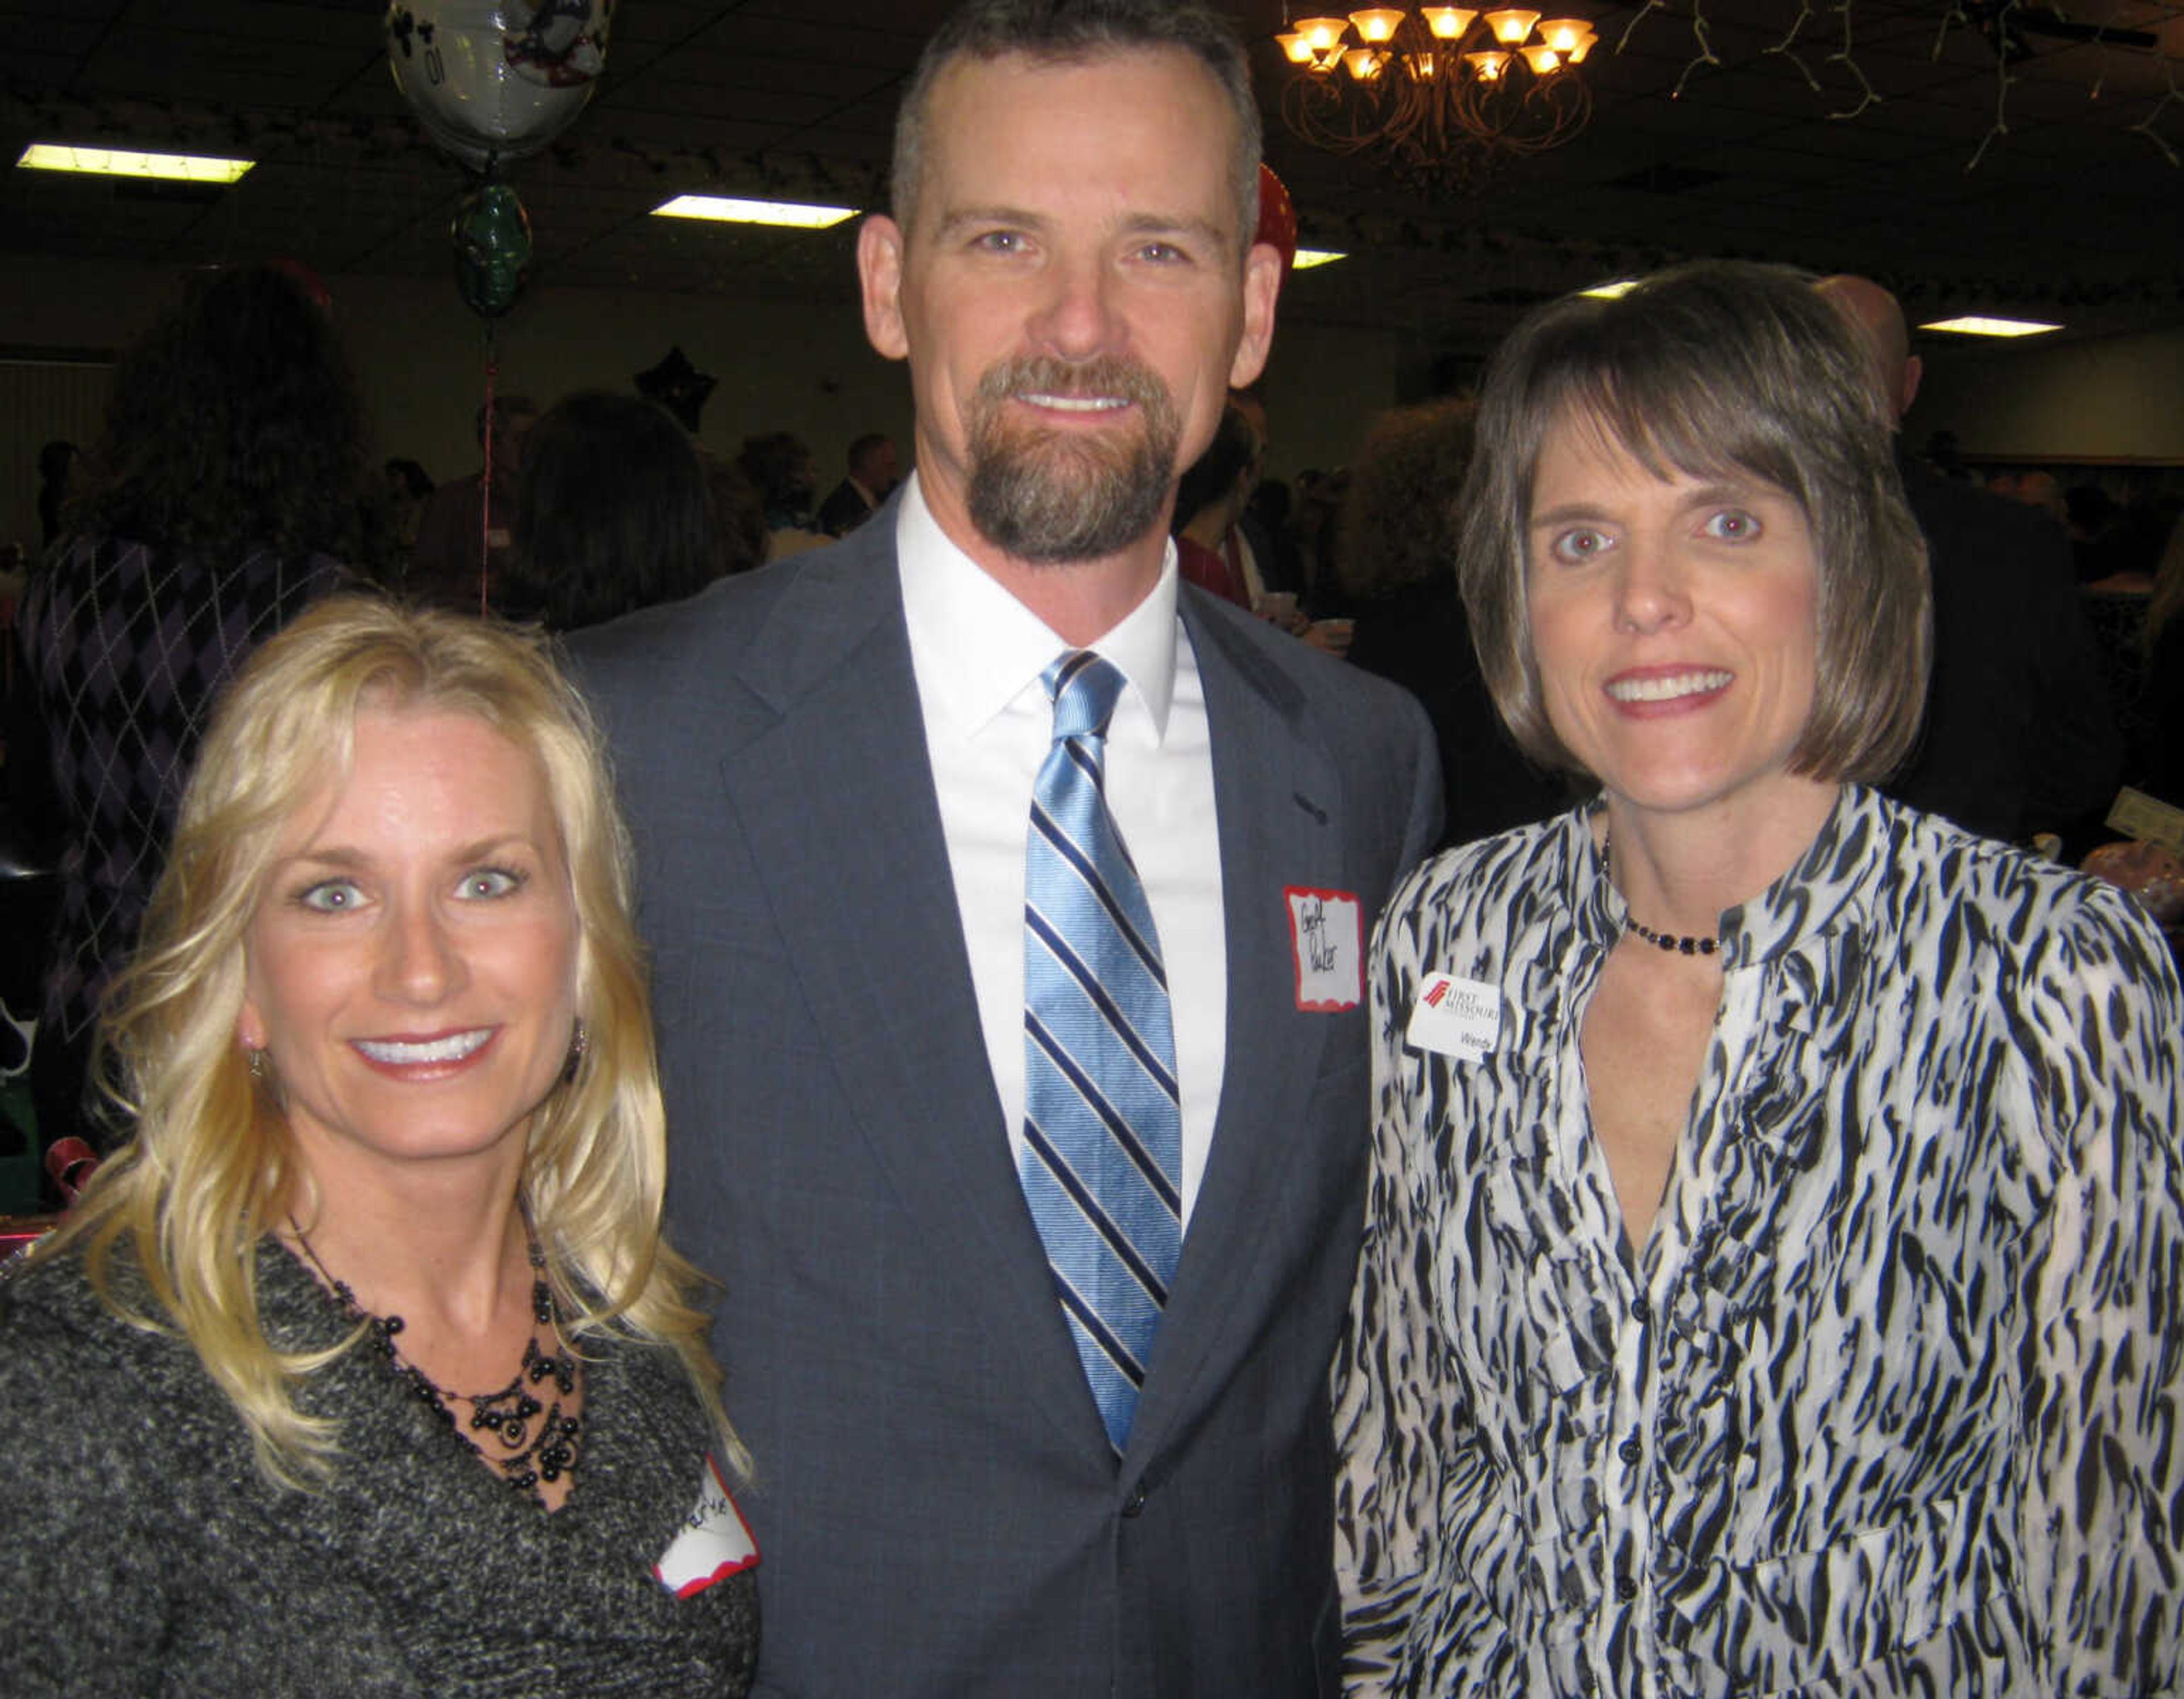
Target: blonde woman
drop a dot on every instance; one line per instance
(363, 1367)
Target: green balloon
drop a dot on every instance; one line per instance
(492, 235)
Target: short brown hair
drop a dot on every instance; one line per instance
(1067, 31)
(1717, 366)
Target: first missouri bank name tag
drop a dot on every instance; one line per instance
(1455, 1016)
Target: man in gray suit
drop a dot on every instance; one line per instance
(832, 769)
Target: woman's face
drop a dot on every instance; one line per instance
(412, 963)
(1675, 623)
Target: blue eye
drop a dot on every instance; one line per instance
(1004, 241)
(1732, 525)
(330, 897)
(491, 882)
(1578, 545)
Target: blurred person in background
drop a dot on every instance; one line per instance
(873, 475)
(225, 496)
(612, 513)
(1395, 566)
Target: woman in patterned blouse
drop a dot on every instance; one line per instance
(1770, 1279)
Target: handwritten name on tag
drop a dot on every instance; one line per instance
(1327, 934)
(716, 1541)
(1455, 1016)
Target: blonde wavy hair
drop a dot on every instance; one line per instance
(205, 1176)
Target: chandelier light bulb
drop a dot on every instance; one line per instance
(1448, 22)
(1562, 34)
(1323, 33)
(1511, 26)
(1377, 25)
(1489, 66)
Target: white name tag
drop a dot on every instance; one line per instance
(1327, 934)
(716, 1541)
(1456, 1017)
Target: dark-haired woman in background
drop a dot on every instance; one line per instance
(613, 513)
(221, 499)
(1772, 1259)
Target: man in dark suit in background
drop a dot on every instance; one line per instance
(857, 497)
(2018, 735)
(967, 1487)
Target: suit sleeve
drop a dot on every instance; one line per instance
(1422, 829)
(2101, 1462)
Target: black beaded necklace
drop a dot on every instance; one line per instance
(1675, 943)
(531, 1454)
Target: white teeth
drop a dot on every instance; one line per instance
(1075, 403)
(1666, 689)
(453, 1048)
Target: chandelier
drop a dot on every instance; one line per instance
(1444, 93)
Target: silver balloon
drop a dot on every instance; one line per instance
(495, 79)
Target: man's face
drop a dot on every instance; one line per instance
(879, 474)
(1070, 295)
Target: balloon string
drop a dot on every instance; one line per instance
(485, 496)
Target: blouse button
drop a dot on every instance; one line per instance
(1641, 1309)
(1626, 1588)
(1631, 1452)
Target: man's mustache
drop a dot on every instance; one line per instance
(1104, 375)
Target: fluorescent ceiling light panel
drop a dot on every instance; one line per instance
(727, 209)
(1306, 258)
(121, 162)
(1972, 325)
(1611, 291)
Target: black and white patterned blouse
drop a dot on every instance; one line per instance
(1891, 1402)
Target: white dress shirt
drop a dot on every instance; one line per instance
(978, 653)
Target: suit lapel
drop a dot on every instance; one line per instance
(834, 793)
(1278, 801)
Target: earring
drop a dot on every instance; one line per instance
(579, 1042)
(260, 1069)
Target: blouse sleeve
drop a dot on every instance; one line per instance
(1391, 1393)
(2102, 1461)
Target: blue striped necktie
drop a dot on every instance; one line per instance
(1103, 1141)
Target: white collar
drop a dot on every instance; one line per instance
(978, 647)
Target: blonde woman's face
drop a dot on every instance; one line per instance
(411, 966)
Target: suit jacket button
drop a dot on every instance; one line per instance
(1135, 1502)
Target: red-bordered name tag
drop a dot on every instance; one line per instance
(715, 1543)
(1327, 939)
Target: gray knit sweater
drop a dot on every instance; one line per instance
(141, 1552)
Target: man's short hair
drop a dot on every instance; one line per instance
(1719, 367)
(1070, 31)
(865, 447)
